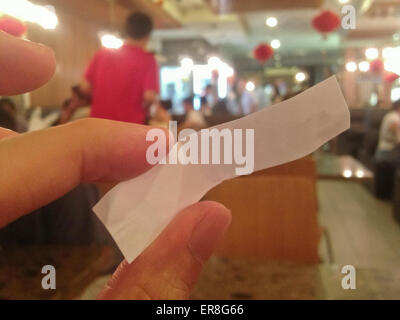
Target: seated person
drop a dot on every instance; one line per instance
(8, 106)
(205, 107)
(194, 118)
(159, 115)
(389, 136)
(209, 99)
(7, 121)
(78, 101)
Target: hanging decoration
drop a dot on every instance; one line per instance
(376, 66)
(326, 22)
(390, 77)
(263, 52)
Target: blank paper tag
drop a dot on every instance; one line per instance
(136, 211)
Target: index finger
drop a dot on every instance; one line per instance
(24, 65)
(39, 167)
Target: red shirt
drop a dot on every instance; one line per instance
(119, 79)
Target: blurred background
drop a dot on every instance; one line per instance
(294, 226)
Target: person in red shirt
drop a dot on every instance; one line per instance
(124, 82)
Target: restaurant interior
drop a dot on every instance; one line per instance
(325, 226)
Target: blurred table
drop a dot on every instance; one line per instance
(222, 278)
(76, 268)
(245, 279)
(330, 166)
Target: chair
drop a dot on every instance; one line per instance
(274, 213)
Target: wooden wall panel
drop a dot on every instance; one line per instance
(74, 41)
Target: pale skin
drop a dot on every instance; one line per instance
(39, 167)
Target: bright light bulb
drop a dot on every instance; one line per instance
(360, 173)
(372, 53)
(347, 173)
(250, 86)
(214, 62)
(300, 76)
(390, 53)
(275, 44)
(351, 66)
(26, 11)
(363, 66)
(111, 42)
(343, 1)
(391, 56)
(228, 70)
(187, 63)
(271, 22)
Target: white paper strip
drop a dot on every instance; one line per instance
(136, 211)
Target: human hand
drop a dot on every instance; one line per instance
(39, 167)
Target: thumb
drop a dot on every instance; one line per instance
(170, 266)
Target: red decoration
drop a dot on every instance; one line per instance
(389, 77)
(376, 66)
(12, 26)
(325, 22)
(263, 52)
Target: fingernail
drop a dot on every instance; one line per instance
(209, 231)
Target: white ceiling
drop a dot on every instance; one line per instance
(238, 34)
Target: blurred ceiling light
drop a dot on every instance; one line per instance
(111, 42)
(391, 57)
(228, 70)
(347, 173)
(351, 66)
(300, 76)
(271, 22)
(26, 11)
(363, 66)
(388, 52)
(250, 86)
(275, 43)
(187, 63)
(392, 65)
(343, 1)
(214, 62)
(372, 53)
(360, 173)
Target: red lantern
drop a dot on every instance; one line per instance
(12, 26)
(263, 52)
(325, 22)
(389, 77)
(376, 66)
